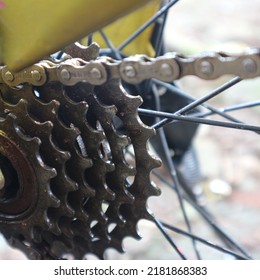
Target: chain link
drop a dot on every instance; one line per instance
(135, 69)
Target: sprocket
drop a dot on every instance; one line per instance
(84, 201)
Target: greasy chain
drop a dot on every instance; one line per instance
(135, 69)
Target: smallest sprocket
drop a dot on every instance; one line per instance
(25, 198)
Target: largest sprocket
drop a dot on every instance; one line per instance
(88, 195)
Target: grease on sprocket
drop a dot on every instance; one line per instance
(91, 130)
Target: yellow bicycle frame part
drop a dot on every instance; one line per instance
(30, 29)
(121, 29)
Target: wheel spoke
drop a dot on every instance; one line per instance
(213, 110)
(169, 117)
(159, 36)
(241, 106)
(109, 43)
(201, 240)
(173, 172)
(201, 100)
(168, 238)
(89, 109)
(152, 20)
(229, 109)
(90, 39)
(184, 115)
(205, 214)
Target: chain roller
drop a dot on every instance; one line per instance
(135, 69)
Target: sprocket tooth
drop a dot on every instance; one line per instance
(113, 213)
(76, 200)
(80, 245)
(35, 234)
(35, 145)
(100, 232)
(61, 184)
(75, 169)
(29, 251)
(115, 179)
(42, 131)
(82, 228)
(94, 208)
(139, 134)
(59, 249)
(10, 95)
(87, 53)
(103, 111)
(65, 226)
(82, 133)
(40, 177)
(57, 158)
(76, 165)
(58, 246)
(128, 230)
(5, 108)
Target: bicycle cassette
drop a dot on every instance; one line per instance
(75, 168)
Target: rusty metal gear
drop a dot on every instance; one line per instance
(25, 195)
(81, 198)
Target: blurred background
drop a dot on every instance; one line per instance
(229, 159)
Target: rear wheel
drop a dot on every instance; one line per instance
(96, 139)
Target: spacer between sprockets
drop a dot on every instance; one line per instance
(74, 189)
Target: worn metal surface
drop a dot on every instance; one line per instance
(84, 200)
(24, 199)
(135, 69)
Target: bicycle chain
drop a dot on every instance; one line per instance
(135, 69)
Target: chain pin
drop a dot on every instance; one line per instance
(206, 67)
(249, 65)
(9, 76)
(36, 75)
(96, 73)
(129, 71)
(65, 74)
(166, 69)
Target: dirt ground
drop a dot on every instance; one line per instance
(230, 159)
